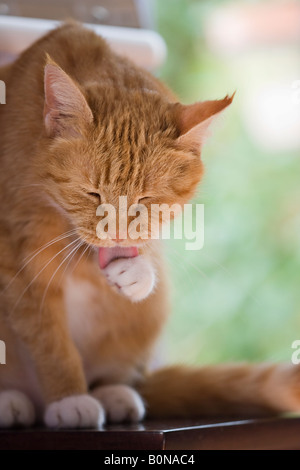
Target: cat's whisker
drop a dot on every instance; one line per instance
(72, 252)
(54, 240)
(221, 266)
(36, 253)
(88, 247)
(40, 272)
(191, 264)
(178, 258)
(69, 262)
(225, 270)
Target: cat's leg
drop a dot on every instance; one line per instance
(43, 328)
(16, 409)
(58, 366)
(133, 277)
(121, 403)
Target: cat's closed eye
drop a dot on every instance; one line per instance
(95, 196)
(144, 200)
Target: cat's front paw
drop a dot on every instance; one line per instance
(15, 409)
(78, 411)
(134, 277)
(121, 403)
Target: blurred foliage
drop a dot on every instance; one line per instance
(239, 297)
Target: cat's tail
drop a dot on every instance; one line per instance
(237, 389)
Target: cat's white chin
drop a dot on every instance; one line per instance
(133, 277)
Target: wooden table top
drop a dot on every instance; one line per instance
(198, 434)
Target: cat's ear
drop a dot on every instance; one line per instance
(66, 111)
(193, 120)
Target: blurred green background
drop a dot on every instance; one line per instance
(239, 297)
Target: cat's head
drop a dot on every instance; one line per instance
(104, 142)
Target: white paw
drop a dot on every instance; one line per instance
(121, 403)
(15, 409)
(78, 411)
(134, 277)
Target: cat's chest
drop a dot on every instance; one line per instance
(85, 313)
(97, 332)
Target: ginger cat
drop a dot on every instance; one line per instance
(81, 126)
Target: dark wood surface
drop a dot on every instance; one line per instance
(283, 433)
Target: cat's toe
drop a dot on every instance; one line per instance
(15, 409)
(79, 411)
(135, 278)
(121, 403)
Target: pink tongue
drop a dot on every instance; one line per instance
(106, 255)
